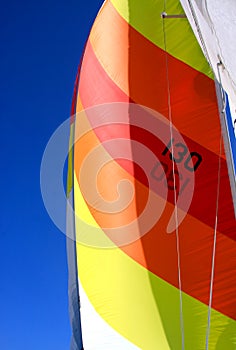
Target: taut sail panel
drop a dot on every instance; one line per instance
(154, 214)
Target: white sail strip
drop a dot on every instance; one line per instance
(214, 25)
(217, 22)
(97, 334)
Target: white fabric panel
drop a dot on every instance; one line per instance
(217, 22)
(97, 334)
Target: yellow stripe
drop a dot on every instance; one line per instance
(145, 17)
(138, 304)
(109, 284)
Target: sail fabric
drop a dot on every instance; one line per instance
(73, 287)
(217, 26)
(153, 292)
(214, 28)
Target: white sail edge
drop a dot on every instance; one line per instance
(97, 334)
(213, 26)
(217, 24)
(89, 330)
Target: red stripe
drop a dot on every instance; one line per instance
(94, 80)
(193, 105)
(138, 67)
(157, 251)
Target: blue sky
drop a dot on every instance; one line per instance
(41, 45)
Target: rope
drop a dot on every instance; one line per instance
(175, 195)
(216, 217)
(174, 179)
(219, 171)
(199, 32)
(214, 251)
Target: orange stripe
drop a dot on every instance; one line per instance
(196, 238)
(94, 80)
(138, 67)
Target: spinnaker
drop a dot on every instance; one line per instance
(146, 132)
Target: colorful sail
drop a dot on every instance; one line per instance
(147, 135)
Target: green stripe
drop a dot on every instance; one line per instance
(145, 17)
(138, 304)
